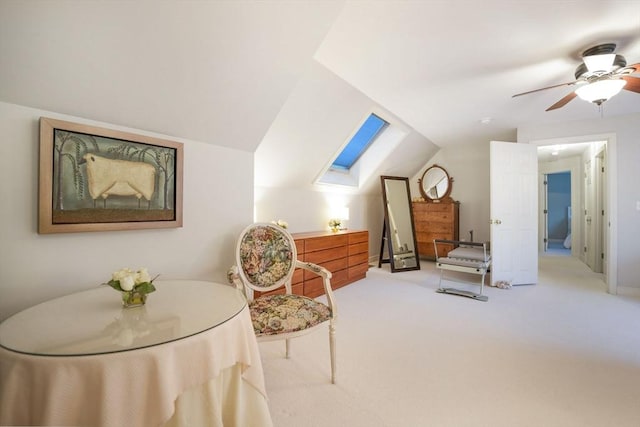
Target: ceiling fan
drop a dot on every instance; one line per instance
(601, 75)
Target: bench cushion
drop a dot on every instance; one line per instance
(476, 254)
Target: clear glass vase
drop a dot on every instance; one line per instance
(133, 299)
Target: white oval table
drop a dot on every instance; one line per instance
(187, 357)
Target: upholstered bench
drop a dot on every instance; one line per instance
(467, 257)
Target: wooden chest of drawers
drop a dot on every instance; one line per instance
(435, 221)
(345, 254)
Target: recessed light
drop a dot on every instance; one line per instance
(485, 120)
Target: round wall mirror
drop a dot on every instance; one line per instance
(435, 184)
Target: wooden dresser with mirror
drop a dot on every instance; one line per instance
(436, 215)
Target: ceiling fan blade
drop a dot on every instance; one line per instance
(635, 66)
(544, 88)
(625, 71)
(564, 101)
(633, 84)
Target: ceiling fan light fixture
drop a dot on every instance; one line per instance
(600, 90)
(599, 63)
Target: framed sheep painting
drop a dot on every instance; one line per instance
(97, 179)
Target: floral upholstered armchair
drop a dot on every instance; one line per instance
(265, 261)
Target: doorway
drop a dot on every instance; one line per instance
(558, 211)
(587, 216)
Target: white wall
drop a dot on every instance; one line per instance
(218, 203)
(468, 165)
(319, 117)
(306, 210)
(627, 155)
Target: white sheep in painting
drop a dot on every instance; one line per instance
(119, 177)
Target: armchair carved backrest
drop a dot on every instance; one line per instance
(266, 257)
(265, 261)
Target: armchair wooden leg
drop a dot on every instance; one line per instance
(332, 350)
(286, 352)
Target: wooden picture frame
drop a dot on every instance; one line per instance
(98, 179)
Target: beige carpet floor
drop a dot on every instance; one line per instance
(560, 353)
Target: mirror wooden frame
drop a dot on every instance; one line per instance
(424, 191)
(403, 258)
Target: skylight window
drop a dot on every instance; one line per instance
(368, 132)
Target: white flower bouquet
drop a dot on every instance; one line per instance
(134, 285)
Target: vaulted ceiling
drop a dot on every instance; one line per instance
(443, 66)
(234, 73)
(211, 71)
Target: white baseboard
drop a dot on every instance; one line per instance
(628, 291)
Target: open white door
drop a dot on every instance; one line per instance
(514, 212)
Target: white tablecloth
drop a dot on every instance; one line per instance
(212, 378)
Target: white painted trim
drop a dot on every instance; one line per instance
(571, 165)
(612, 207)
(628, 291)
